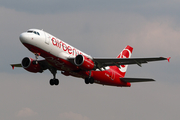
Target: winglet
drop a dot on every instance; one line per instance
(168, 59)
(12, 67)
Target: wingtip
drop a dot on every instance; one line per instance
(168, 59)
(12, 67)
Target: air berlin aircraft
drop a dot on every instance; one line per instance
(59, 55)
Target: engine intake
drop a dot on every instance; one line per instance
(84, 62)
(27, 64)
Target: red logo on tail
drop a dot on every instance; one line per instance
(126, 53)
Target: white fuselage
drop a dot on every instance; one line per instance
(50, 44)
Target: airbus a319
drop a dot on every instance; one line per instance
(61, 56)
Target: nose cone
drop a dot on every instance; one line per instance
(24, 37)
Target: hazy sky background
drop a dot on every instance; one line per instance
(101, 28)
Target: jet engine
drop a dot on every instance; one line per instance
(84, 62)
(30, 65)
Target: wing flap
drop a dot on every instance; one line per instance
(125, 61)
(136, 79)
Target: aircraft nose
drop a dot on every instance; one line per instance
(23, 37)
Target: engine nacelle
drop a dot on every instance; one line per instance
(84, 63)
(27, 64)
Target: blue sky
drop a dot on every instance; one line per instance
(101, 29)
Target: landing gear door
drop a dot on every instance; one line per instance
(47, 38)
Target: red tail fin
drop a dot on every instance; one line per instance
(126, 53)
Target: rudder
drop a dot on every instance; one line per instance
(126, 53)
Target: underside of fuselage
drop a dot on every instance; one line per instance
(68, 69)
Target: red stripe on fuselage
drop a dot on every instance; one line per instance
(107, 77)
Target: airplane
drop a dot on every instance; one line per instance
(58, 55)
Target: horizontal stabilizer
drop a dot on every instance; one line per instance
(136, 79)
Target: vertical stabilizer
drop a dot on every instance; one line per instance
(126, 53)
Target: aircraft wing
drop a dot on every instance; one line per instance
(103, 62)
(15, 65)
(136, 79)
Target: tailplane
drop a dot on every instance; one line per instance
(126, 53)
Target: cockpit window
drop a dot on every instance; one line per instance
(37, 33)
(29, 31)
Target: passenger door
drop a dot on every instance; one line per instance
(47, 38)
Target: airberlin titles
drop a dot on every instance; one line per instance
(58, 43)
(81, 60)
